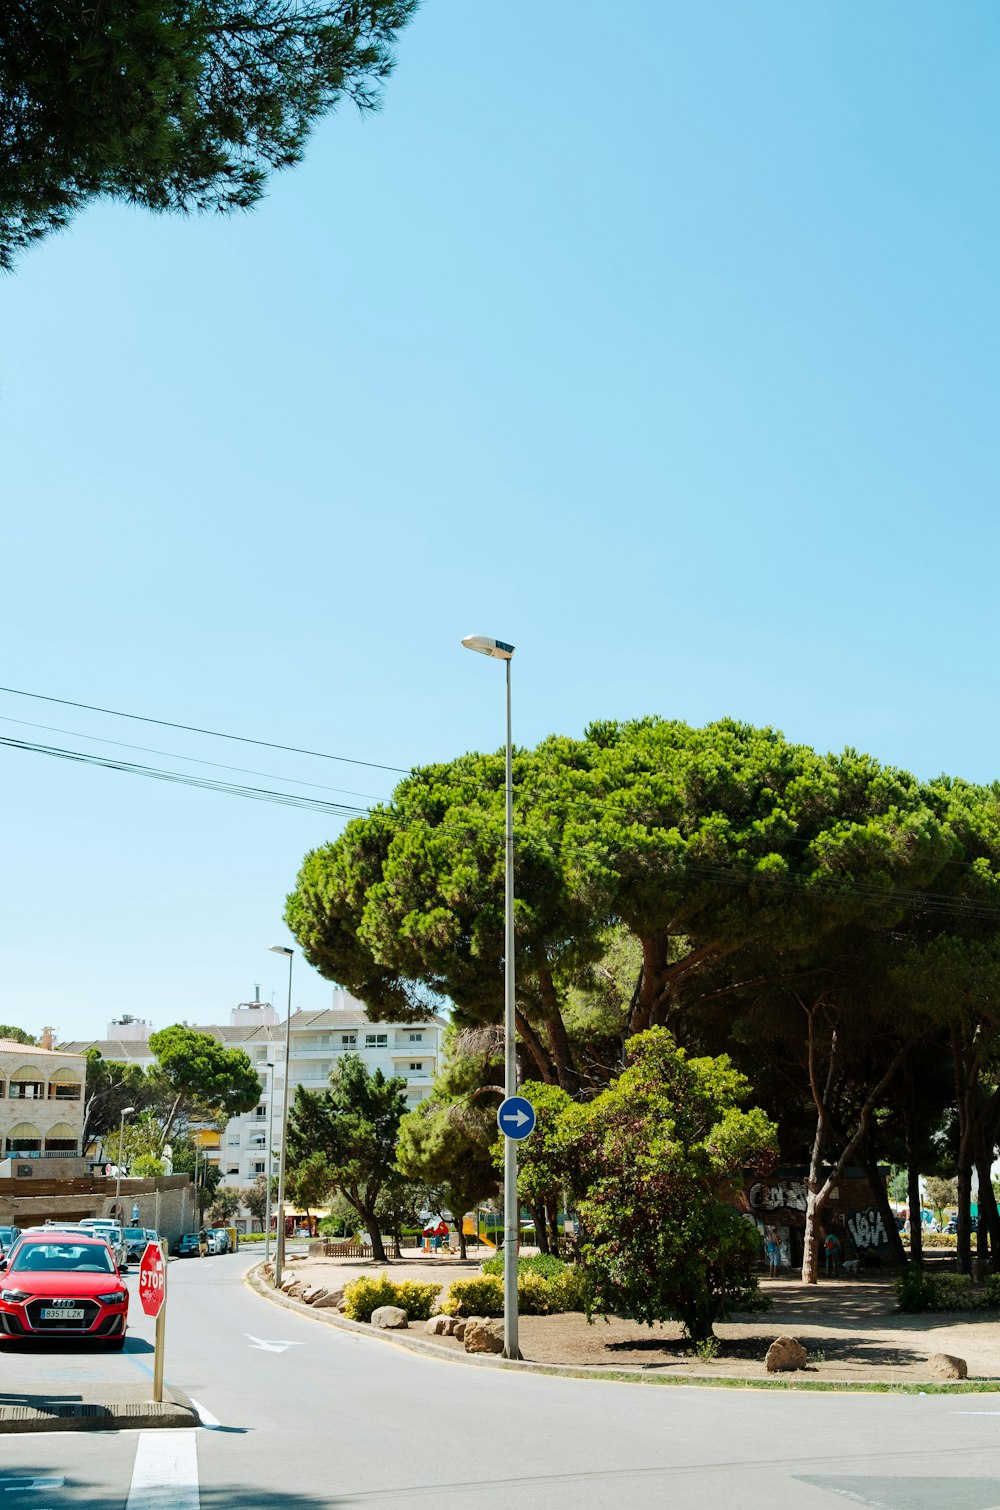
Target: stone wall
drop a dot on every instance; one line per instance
(778, 1201)
(165, 1203)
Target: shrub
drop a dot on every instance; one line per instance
(532, 1294)
(916, 1291)
(481, 1296)
(541, 1263)
(568, 1291)
(363, 1296)
(992, 1296)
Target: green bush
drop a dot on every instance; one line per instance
(363, 1296)
(532, 1294)
(917, 1291)
(992, 1296)
(568, 1290)
(480, 1296)
(540, 1263)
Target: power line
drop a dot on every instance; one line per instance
(217, 765)
(166, 723)
(181, 778)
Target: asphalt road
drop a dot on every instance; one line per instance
(303, 1417)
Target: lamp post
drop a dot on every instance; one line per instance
(279, 1236)
(269, 1161)
(511, 1207)
(126, 1112)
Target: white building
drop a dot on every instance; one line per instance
(411, 1051)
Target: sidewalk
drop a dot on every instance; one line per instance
(122, 1407)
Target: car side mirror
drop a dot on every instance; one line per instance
(3, 1265)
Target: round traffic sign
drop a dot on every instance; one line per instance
(152, 1282)
(516, 1117)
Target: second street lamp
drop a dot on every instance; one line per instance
(279, 1236)
(127, 1111)
(501, 651)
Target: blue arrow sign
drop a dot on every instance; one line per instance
(516, 1117)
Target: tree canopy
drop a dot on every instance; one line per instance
(178, 105)
(198, 1078)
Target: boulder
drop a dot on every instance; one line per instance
(945, 1366)
(483, 1337)
(312, 1294)
(439, 1326)
(784, 1355)
(290, 1285)
(458, 1327)
(330, 1299)
(390, 1318)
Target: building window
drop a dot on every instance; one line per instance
(416, 1064)
(416, 1037)
(376, 1040)
(348, 1040)
(260, 1112)
(232, 1169)
(256, 1166)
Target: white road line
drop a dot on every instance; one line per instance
(165, 1475)
(205, 1416)
(11, 1486)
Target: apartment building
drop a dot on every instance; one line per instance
(41, 1109)
(318, 1040)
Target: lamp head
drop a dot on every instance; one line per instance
(127, 1111)
(280, 949)
(482, 643)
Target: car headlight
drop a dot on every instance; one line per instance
(115, 1298)
(16, 1297)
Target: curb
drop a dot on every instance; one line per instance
(254, 1280)
(100, 1413)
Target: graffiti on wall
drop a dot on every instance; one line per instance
(787, 1195)
(867, 1230)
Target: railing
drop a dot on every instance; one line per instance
(43, 1153)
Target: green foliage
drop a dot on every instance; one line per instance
(225, 1205)
(147, 1166)
(308, 1182)
(363, 1296)
(917, 1290)
(940, 1194)
(110, 1087)
(707, 1349)
(16, 1035)
(174, 105)
(254, 1197)
(569, 1290)
(991, 1297)
(198, 1079)
(446, 1146)
(354, 1126)
(532, 1294)
(653, 1148)
(481, 1295)
(544, 1264)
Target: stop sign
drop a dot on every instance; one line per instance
(152, 1285)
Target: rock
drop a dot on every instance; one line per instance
(330, 1300)
(458, 1327)
(945, 1366)
(391, 1318)
(483, 1337)
(784, 1355)
(439, 1326)
(313, 1294)
(290, 1284)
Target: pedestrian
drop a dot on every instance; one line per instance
(773, 1248)
(202, 1241)
(831, 1250)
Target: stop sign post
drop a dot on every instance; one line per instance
(153, 1297)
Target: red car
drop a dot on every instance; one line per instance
(62, 1285)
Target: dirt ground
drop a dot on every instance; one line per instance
(850, 1327)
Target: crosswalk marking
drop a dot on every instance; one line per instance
(165, 1474)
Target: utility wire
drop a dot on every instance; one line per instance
(217, 765)
(166, 723)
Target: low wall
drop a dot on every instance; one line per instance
(165, 1203)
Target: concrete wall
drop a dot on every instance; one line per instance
(166, 1203)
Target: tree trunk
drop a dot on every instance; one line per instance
(554, 1228)
(373, 1224)
(965, 1082)
(913, 1182)
(880, 1196)
(462, 1251)
(988, 1245)
(541, 1229)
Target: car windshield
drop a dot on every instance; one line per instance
(61, 1258)
(135, 1234)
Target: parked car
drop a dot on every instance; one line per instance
(62, 1284)
(135, 1243)
(113, 1235)
(218, 1240)
(8, 1237)
(186, 1246)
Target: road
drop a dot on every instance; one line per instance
(303, 1417)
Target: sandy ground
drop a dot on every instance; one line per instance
(851, 1329)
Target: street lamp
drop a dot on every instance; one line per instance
(501, 651)
(279, 1236)
(126, 1112)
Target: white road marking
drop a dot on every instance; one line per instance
(165, 1474)
(10, 1486)
(205, 1416)
(269, 1347)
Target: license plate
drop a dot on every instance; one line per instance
(48, 1314)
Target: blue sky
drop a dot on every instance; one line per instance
(660, 341)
